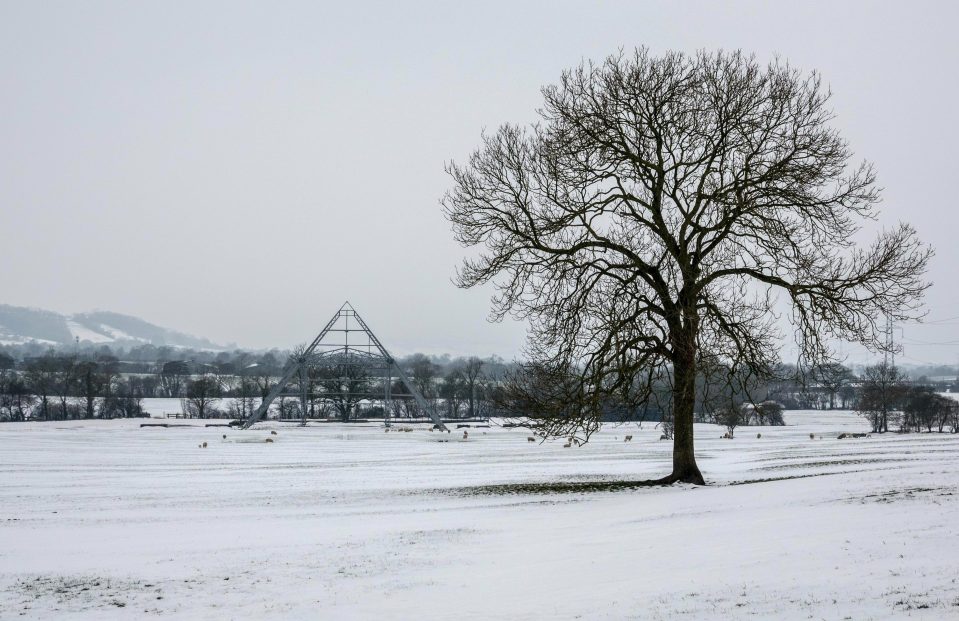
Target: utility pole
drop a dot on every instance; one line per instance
(892, 341)
(889, 352)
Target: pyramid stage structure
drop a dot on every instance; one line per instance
(351, 364)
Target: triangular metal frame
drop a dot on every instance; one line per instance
(311, 353)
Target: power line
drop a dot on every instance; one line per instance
(938, 321)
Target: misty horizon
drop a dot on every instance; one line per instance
(237, 171)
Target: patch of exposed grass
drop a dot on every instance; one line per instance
(554, 487)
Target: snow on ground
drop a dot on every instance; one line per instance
(78, 330)
(160, 407)
(119, 335)
(107, 520)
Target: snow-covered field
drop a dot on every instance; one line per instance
(103, 519)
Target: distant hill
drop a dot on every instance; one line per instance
(19, 324)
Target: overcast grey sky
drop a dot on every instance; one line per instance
(237, 170)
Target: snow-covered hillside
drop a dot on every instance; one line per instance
(22, 325)
(104, 520)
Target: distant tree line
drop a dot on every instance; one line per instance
(62, 384)
(888, 399)
(885, 395)
(101, 382)
(546, 397)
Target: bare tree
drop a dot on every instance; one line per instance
(847, 395)
(245, 400)
(402, 405)
(316, 407)
(832, 376)
(649, 221)
(173, 376)
(423, 374)
(945, 411)
(549, 399)
(127, 398)
(731, 417)
(65, 386)
(770, 413)
(16, 400)
(923, 408)
(289, 408)
(41, 376)
(345, 379)
(95, 378)
(472, 369)
(265, 371)
(882, 393)
(202, 395)
(454, 390)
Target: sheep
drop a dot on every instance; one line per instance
(628, 439)
(531, 439)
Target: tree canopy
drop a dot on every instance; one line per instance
(648, 222)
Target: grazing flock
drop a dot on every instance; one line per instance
(570, 442)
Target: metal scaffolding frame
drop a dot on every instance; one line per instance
(374, 355)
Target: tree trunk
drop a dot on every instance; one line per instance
(685, 469)
(303, 389)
